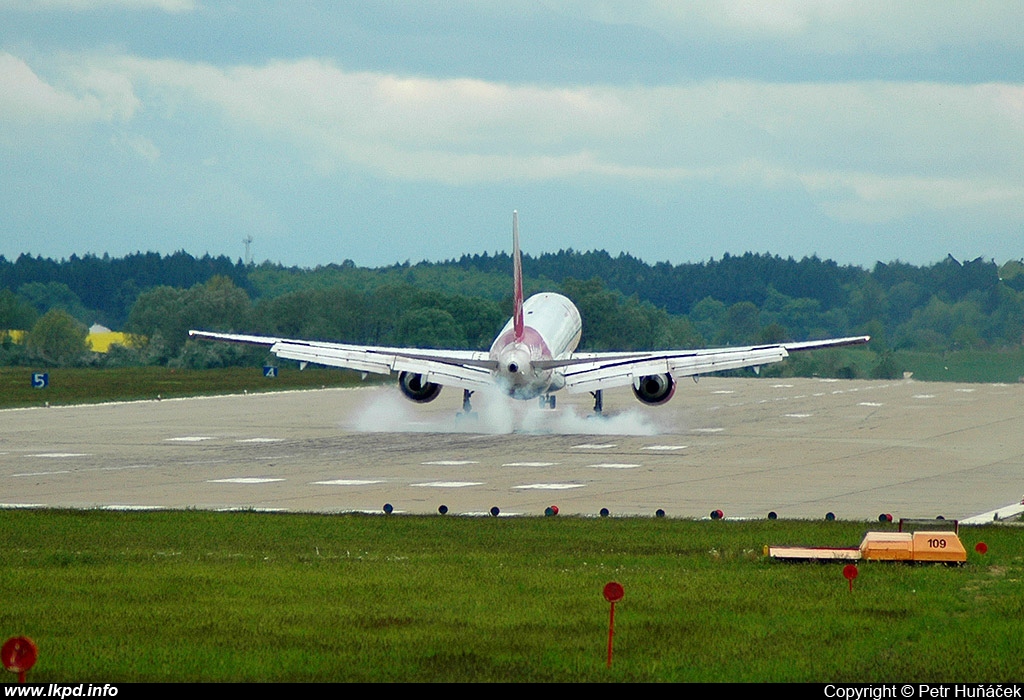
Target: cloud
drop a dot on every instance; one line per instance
(98, 95)
(828, 27)
(865, 151)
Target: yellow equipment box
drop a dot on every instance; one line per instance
(943, 546)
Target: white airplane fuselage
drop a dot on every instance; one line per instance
(552, 329)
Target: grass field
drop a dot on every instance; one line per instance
(187, 596)
(72, 386)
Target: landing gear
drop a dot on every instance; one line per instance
(467, 406)
(547, 401)
(598, 402)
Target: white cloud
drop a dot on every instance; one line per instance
(819, 26)
(871, 151)
(96, 95)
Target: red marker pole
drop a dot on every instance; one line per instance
(613, 593)
(850, 573)
(18, 656)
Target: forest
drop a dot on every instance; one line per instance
(626, 304)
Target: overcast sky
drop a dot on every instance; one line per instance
(382, 131)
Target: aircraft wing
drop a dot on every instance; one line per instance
(466, 369)
(593, 371)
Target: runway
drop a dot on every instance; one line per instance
(799, 447)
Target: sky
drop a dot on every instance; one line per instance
(381, 131)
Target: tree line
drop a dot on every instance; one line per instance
(625, 303)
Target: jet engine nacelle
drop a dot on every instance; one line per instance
(416, 389)
(654, 389)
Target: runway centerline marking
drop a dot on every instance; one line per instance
(664, 448)
(188, 438)
(243, 480)
(549, 487)
(348, 482)
(593, 446)
(450, 463)
(261, 440)
(62, 471)
(449, 484)
(61, 455)
(707, 430)
(610, 465)
(530, 464)
(798, 415)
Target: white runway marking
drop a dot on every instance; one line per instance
(131, 507)
(664, 448)
(62, 471)
(798, 415)
(240, 509)
(591, 446)
(613, 466)
(965, 391)
(449, 463)
(707, 430)
(15, 506)
(782, 386)
(243, 480)
(869, 403)
(348, 482)
(188, 438)
(724, 391)
(60, 455)
(549, 487)
(924, 396)
(530, 464)
(261, 440)
(449, 484)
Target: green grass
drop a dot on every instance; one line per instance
(160, 596)
(74, 386)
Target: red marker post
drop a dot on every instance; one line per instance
(19, 655)
(849, 573)
(613, 593)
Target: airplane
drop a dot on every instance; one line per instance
(533, 356)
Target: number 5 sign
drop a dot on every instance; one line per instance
(40, 380)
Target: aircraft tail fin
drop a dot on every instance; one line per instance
(518, 322)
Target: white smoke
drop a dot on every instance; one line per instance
(493, 413)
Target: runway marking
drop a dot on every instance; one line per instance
(798, 415)
(188, 438)
(243, 480)
(61, 455)
(924, 396)
(965, 391)
(665, 448)
(549, 487)
(348, 482)
(130, 507)
(869, 403)
(592, 446)
(261, 440)
(530, 464)
(724, 391)
(782, 386)
(62, 471)
(450, 463)
(16, 506)
(449, 484)
(707, 430)
(610, 465)
(243, 509)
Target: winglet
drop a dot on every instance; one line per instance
(518, 322)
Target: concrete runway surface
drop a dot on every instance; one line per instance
(800, 447)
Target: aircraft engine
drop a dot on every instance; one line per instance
(415, 389)
(654, 389)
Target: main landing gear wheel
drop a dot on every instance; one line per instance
(598, 402)
(547, 401)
